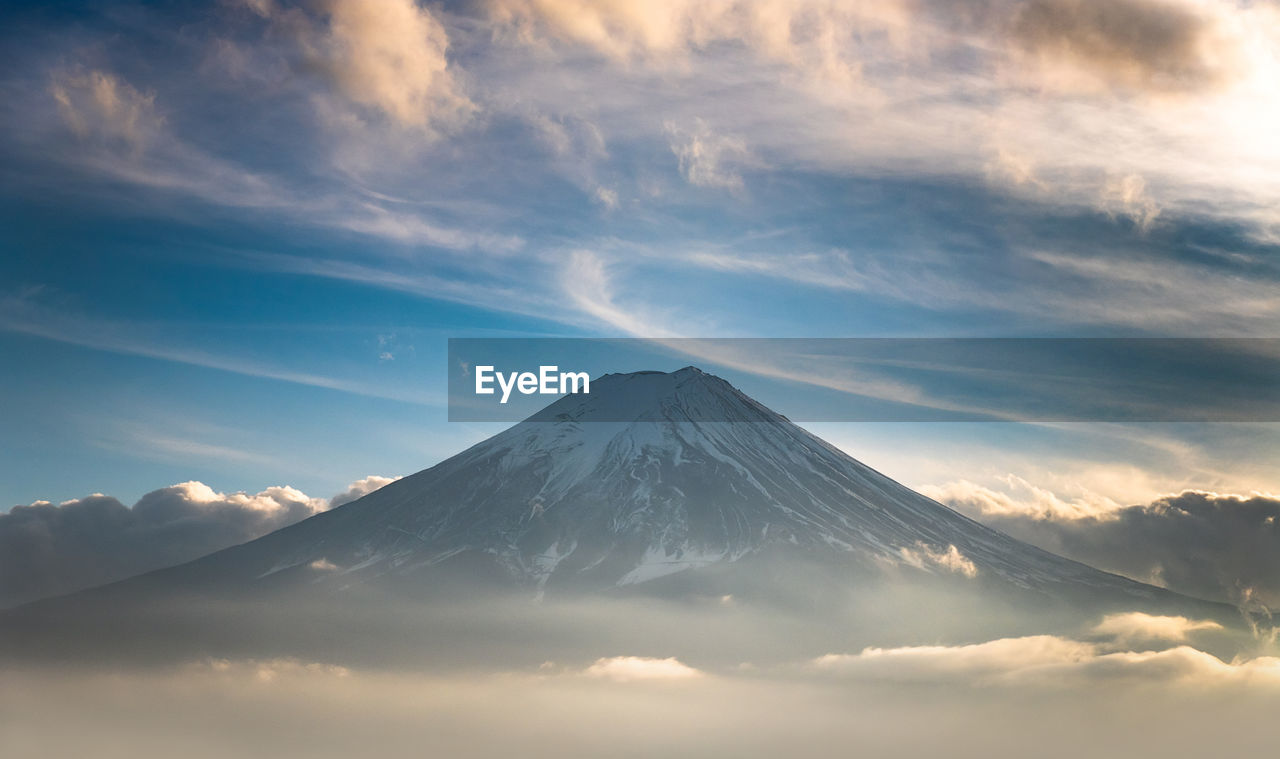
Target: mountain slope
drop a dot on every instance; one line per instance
(674, 533)
(561, 501)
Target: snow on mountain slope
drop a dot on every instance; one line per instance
(563, 500)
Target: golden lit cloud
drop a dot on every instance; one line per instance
(949, 559)
(392, 56)
(100, 104)
(1136, 626)
(1048, 661)
(630, 668)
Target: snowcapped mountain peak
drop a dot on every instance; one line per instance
(648, 475)
(688, 394)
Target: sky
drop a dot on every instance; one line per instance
(237, 235)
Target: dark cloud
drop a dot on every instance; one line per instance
(48, 549)
(1142, 44)
(1221, 547)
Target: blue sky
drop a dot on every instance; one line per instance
(237, 235)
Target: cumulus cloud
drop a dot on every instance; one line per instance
(48, 549)
(949, 559)
(1204, 544)
(391, 57)
(629, 668)
(359, 489)
(1018, 498)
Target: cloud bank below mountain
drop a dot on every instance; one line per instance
(1203, 544)
(48, 549)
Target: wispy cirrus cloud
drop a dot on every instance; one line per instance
(25, 314)
(702, 91)
(122, 133)
(1037, 166)
(708, 159)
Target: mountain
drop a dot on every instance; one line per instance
(705, 525)
(701, 482)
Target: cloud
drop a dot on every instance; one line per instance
(1059, 45)
(1138, 627)
(98, 104)
(1204, 544)
(1093, 280)
(589, 286)
(1067, 87)
(815, 38)
(949, 559)
(119, 133)
(48, 549)
(1127, 196)
(303, 708)
(1154, 45)
(725, 86)
(1049, 661)
(588, 282)
(978, 661)
(576, 149)
(625, 669)
(607, 197)
(413, 229)
(909, 90)
(708, 159)
(391, 57)
(299, 707)
(1021, 498)
(24, 314)
(265, 671)
(496, 294)
(359, 489)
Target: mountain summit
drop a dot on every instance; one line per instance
(560, 501)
